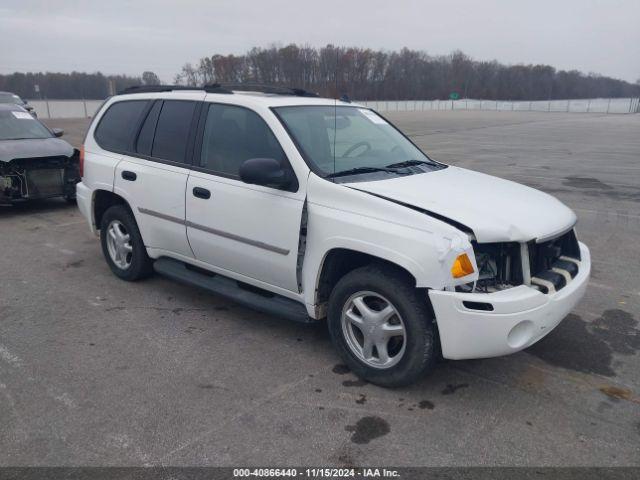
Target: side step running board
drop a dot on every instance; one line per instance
(272, 304)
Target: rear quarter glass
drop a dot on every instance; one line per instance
(117, 127)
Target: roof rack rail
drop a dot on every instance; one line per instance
(222, 88)
(265, 88)
(212, 88)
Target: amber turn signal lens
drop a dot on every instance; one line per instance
(462, 266)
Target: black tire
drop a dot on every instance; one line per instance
(141, 266)
(396, 286)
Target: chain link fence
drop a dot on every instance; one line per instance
(65, 108)
(87, 108)
(589, 105)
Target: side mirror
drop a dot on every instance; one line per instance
(57, 132)
(266, 172)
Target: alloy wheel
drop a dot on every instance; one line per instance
(373, 329)
(119, 244)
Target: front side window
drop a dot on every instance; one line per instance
(20, 125)
(118, 125)
(235, 134)
(172, 131)
(346, 141)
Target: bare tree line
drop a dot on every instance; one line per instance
(367, 74)
(72, 85)
(361, 73)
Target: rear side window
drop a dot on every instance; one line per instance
(172, 130)
(233, 135)
(119, 124)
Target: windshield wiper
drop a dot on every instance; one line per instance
(410, 163)
(357, 170)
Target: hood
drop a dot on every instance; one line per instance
(497, 210)
(34, 148)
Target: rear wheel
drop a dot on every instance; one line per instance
(381, 326)
(122, 245)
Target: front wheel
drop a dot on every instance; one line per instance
(122, 244)
(381, 326)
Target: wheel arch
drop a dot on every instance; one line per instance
(102, 201)
(339, 261)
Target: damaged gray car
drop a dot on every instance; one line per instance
(34, 162)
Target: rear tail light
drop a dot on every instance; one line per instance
(81, 165)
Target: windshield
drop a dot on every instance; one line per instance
(10, 98)
(18, 125)
(342, 141)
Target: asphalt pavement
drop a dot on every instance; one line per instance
(97, 371)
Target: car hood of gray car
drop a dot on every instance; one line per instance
(34, 148)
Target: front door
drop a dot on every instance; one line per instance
(247, 229)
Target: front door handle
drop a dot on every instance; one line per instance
(127, 175)
(201, 193)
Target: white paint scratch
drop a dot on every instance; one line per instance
(63, 397)
(124, 442)
(15, 361)
(9, 357)
(20, 431)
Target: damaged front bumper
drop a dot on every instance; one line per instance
(481, 325)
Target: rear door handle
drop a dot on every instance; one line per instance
(201, 193)
(127, 175)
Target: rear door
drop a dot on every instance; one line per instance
(153, 177)
(246, 229)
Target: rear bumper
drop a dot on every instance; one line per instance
(84, 199)
(521, 316)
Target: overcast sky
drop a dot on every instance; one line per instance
(118, 36)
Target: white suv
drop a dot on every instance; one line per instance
(311, 208)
